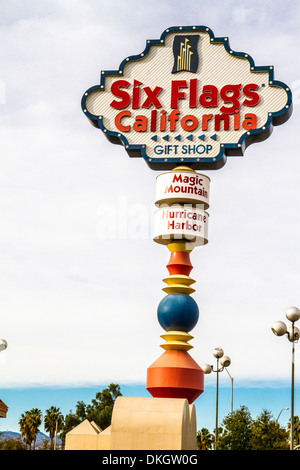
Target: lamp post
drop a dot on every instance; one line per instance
(280, 413)
(231, 380)
(225, 361)
(4, 408)
(292, 333)
(3, 344)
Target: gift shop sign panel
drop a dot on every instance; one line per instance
(188, 98)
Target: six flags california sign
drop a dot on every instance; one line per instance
(189, 99)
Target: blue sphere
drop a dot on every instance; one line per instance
(178, 312)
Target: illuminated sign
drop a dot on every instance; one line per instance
(188, 98)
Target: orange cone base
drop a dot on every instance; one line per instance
(175, 375)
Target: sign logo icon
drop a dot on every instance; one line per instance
(185, 53)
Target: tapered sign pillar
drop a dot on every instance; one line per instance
(181, 223)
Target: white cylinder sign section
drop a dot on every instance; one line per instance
(184, 187)
(181, 223)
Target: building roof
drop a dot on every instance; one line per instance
(3, 409)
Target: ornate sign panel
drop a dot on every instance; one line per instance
(189, 99)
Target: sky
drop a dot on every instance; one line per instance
(80, 276)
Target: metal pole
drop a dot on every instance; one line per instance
(217, 401)
(231, 394)
(292, 391)
(231, 379)
(280, 414)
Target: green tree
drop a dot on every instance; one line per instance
(296, 430)
(81, 410)
(45, 445)
(36, 419)
(25, 429)
(12, 444)
(29, 424)
(99, 411)
(267, 434)
(53, 421)
(204, 439)
(236, 433)
(71, 421)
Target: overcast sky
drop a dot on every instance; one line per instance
(80, 277)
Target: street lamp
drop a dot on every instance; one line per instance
(292, 333)
(280, 413)
(231, 380)
(225, 361)
(3, 344)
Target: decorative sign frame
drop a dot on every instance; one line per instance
(189, 99)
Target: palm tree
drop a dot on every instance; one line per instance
(25, 429)
(36, 419)
(297, 430)
(204, 439)
(53, 422)
(29, 423)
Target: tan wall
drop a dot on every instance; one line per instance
(103, 442)
(140, 424)
(81, 442)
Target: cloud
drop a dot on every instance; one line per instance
(77, 308)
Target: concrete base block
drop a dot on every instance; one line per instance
(140, 424)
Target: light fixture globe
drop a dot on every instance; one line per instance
(3, 344)
(292, 314)
(218, 353)
(225, 361)
(279, 328)
(206, 368)
(293, 333)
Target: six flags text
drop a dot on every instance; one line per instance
(232, 97)
(146, 97)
